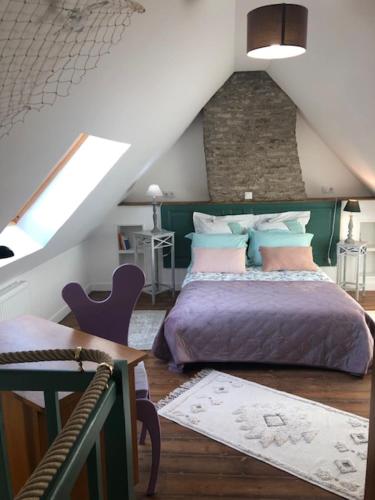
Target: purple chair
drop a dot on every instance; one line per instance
(110, 320)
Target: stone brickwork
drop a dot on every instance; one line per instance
(250, 141)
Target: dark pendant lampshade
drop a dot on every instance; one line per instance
(277, 31)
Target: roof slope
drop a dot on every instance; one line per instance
(146, 93)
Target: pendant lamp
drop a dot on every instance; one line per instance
(277, 31)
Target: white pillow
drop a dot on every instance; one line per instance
(271, 226)
(302, 217)
(205, 223)
(215, 226)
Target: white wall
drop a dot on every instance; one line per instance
(102, 247)
(322, 169)
(182, 169)
(47, 280)
(333, 83)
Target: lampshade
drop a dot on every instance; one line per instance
(352, 206)
(154, 191)
(277, 31)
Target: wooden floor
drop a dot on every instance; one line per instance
(194, 467)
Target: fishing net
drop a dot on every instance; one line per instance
(46, 46)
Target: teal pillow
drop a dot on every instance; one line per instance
(236, 227)
(216, 240)
(275, 239)
(294, 226)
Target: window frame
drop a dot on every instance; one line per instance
(52, 174)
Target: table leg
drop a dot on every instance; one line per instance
(173, 268)
(357, 279)
(153, 286)
(133, 409)
(364, 273)
(338, 270)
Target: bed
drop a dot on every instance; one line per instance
(280, 317)
(294, 318)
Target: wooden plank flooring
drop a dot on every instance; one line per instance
(194, 467)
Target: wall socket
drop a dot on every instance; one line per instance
(327, 190)
(248, 195)
(168, 194)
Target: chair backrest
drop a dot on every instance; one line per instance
(108, 318)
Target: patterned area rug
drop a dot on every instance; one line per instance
(314, 442)
(143, 328)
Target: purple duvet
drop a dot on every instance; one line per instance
(309, 323)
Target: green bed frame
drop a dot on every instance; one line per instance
(324, 223)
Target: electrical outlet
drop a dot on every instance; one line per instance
(168, 194)
(248, 195)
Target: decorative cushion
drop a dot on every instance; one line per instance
(219, 260)
(236, 228)
(218, 240)
(287, 259)
(295, 226)
(275, 239)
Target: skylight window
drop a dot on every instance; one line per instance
(67, 186)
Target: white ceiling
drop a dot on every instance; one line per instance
(170, 62)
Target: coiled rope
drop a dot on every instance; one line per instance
(56, 454)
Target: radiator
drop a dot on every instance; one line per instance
(14, 300)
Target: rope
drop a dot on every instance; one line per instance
(43, 474)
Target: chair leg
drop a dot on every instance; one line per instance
(147, 414)
(142, 437)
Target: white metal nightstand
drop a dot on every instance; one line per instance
(357, 250)
(147, 240)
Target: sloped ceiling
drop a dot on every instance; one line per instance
(146, 92)
(333, 83)
(171, 60)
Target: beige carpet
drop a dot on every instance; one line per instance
(315, 442)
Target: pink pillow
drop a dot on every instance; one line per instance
(287, 259)
(219, 260)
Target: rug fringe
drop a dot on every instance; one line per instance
(183, 388)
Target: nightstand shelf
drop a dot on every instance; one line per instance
(357, 251)
(127, 255)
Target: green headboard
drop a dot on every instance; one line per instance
(179, 218)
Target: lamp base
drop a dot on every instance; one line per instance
(350, 241)
(155, 229)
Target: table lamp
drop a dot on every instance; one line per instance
(154, 192)
(352, 206)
